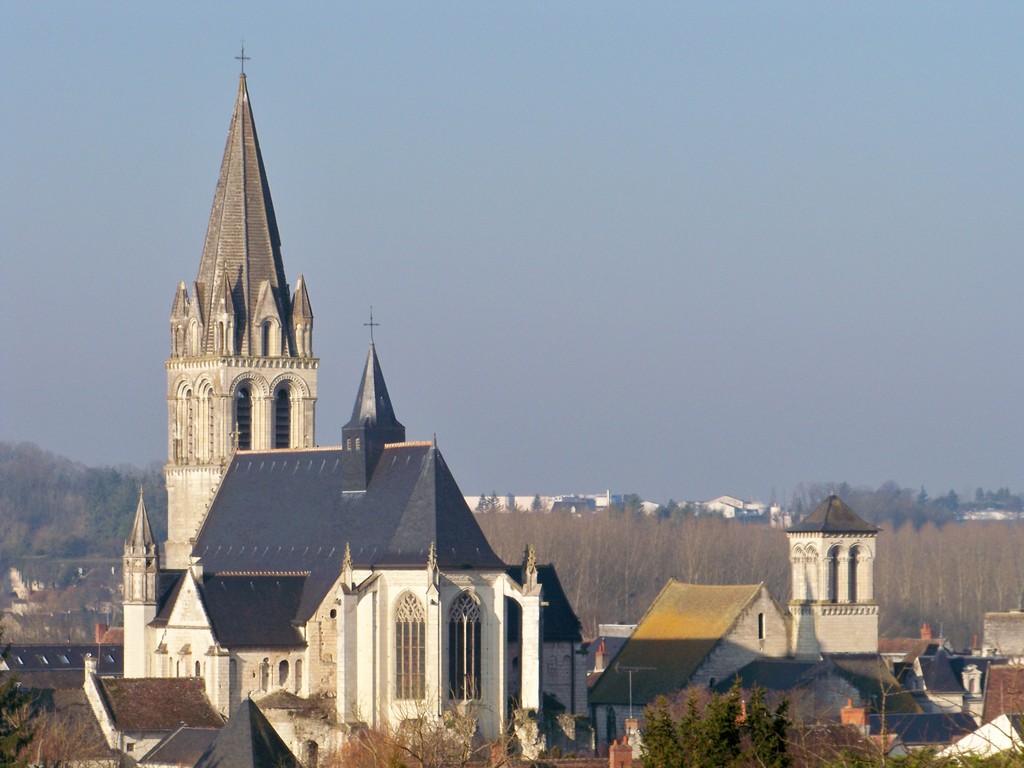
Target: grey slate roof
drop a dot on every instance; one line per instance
(183, 747)
(287, 512)
(373, 406)
(923, 728)
(833, 516)
(248, 741)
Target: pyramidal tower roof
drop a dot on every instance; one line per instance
(373, 405)
(833, 516)
(248, 741)
(242, 247)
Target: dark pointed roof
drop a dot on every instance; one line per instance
(833, 516)
(141, 536)
(373, 407)
(242, 247)
(248, 741)
(280, 512)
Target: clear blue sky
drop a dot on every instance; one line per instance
(681, 249)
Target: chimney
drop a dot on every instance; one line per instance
(855, 716)
(99, 631)
(91, 665)
(620, 755)
(926, 631)
(600, 658)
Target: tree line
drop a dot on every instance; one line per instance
(612, 567)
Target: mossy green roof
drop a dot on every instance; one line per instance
(679, 630)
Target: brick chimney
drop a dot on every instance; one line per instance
(600, 658)
(855, 716)
(620, 755)
(926, 631)
(99, 631)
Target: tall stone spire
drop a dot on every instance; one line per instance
(243, 247)
(372, 426)
(241, 373)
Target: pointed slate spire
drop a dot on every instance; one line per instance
(373, 406)
(242, 247)
(248, 741)
(141, 537)
(373, 425)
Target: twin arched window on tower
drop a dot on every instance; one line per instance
(282, 409)
(847, 592)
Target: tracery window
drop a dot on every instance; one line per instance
(410, 649)
(464, 647)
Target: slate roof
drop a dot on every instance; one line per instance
(248, 741)
(61, 666)
(254, 611)
(558, 620)
(286, 512)
(833, 516)
(938, 673)
(865, 672)
(907, 647)
(183, 747)
(373, 406)
(869, 675)
(158, 704)
(923, 728)
(679, 630)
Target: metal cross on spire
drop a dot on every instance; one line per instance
(243, 58)
(371, 325)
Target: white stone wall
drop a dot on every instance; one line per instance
(745, 641)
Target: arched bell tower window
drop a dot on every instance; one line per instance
(243, 419)
(833, 575)
(856, 555)
(410, 648)
(282, 419)
(464, 647)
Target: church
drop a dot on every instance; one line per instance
(352, 577)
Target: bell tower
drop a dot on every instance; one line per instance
(241, 374)
(832, 556)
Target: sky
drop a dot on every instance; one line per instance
(674, 249)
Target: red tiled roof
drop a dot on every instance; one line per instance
(1004, 691)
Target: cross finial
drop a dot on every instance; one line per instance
(371, 325)
(243, 58)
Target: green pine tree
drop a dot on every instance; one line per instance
(660, 747)
(16, 726)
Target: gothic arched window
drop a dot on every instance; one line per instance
(464, 647)
(282, 419)
(243, 419)
(410, 650)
